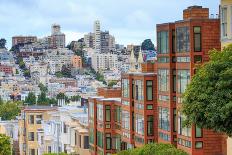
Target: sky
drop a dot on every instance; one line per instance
(130, 21)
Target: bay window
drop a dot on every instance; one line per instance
(182, 39)
(139, 124)
(100, 112)
(164, 119)
(183, 79)
(163, 80)
(125, 119)
(162, 42)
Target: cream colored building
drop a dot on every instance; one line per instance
(30, 124)
(226, 22)
(226, 39)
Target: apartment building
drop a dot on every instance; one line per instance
(121, 119)
(76, 61)
(89, 40)
(226, 39)
(30, 124)
(23, 39)
(7, 69)
(182, 45)
(104, 61)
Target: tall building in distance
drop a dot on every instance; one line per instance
(182, 45)
(57, 37)
(99, 40)
(97, 36)
(226, 39)
(89, 40)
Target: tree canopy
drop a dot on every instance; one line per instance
(31, 98)
(2, 43)
(154, 149)
(5, 145)
(207, 100)
(9, 110)
(147, 45)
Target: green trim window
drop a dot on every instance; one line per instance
(197, 38)
(173, 41)
(198, 132)
(108, 113)
(174, 120)
(100, 141)
(162, 42)
(150, 125)
(149, 87)
(117, 113)
(199, 145)
(108, 141)
(163, 60)
(91, 135)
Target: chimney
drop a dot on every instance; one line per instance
(196, 12)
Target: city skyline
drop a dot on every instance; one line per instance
(137, 20)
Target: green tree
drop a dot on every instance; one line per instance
(31, 98)
(112, 83)
(2, 43)
(147, 45)
(21, 64)
(154, 149)
(208, 98)
(42, 99)
(59, 74)
(42, 87)
(27, 73)
(62, 96)
(9, 110)
(5, 145)
(55, 154)
(75, 98)
(52, 101)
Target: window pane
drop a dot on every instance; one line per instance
(149, 90)
(163, 80)
(163, 42)
(108, 113)
(198, 132)
(183, 80)
(199, 145)
(164, 118)
(139, 124)
(182, 39)
(125, 120)
(150, 126)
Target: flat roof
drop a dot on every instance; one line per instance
(39, 107)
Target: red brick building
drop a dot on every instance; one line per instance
(148, 107)
(6, 69)
(182, 46)
(123, 119)
(23, 39)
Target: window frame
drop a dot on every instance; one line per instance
(194, 37)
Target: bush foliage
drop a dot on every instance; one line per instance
(154, 149)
